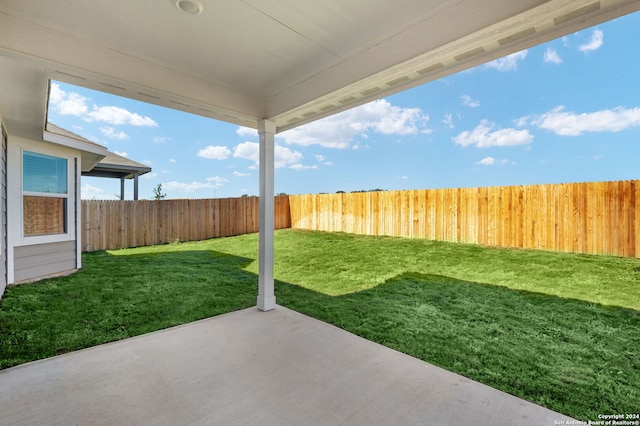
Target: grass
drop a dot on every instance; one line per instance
(559, 330)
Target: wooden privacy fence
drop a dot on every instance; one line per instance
(597, 218)
(119, 224)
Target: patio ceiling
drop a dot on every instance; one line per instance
(289, 61)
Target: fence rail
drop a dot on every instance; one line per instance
(597, 218)
(118, 224)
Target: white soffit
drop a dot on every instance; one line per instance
(292, 61)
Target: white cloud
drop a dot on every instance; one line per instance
(303, 167)
(283, 156)
(90, 192)
(123, 154)
(448, 121)
(217, 181)
(67, 103)
(341, 130)
(112, 133)
(469, 101)
(187, 187)
(118, 116)
(56, 94)
(509, 62)
(240, 174)
(248, 151)
(72, 104)
(322, 159)
(487, 161)
(246, 131)
(171, 160)
(402, 177)
(571, 124)
(215, 152)
(160, 139)
(483, 136)
(490, 161)
(551, 55)
(597, 40)
(149, 175)
(147, 162)
(75, 104)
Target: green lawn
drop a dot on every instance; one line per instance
(560, 330)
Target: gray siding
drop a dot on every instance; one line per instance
(3, 214)
(44, 259)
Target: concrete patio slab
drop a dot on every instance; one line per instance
(249, 368)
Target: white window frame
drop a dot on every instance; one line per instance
(56, 195)
(18, 146)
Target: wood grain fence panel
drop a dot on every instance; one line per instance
(450, 211)
(609, 217)
(482, 216)
(637, 219)
(597, 217)
(282, 213)
(618, 214)
(419, 222)
(526, 217)
(631, 243)
(582, 213)
(492, 203)
(338, 209)
(567, 204)
(391, 212)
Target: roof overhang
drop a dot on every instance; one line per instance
(91, 153)
(290, 61)
(116, 171)
(97, 161)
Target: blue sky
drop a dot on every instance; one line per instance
(565, 111)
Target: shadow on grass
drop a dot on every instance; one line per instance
(574, 357)
(114, 297)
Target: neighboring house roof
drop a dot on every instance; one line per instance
(111, 166)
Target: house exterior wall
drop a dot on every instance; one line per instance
(33, 257)
(43, 259)
(3, 212)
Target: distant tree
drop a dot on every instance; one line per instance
(158, 194)
(244, 196)
(340, 192)
(280, 194)
(369, 190)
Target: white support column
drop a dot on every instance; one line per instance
(266, 294)
(135, 186)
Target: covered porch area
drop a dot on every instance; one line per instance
(250, 368)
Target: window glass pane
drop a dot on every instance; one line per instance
(44, 173)
(44, 215)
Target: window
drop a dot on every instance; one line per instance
(44, 194)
